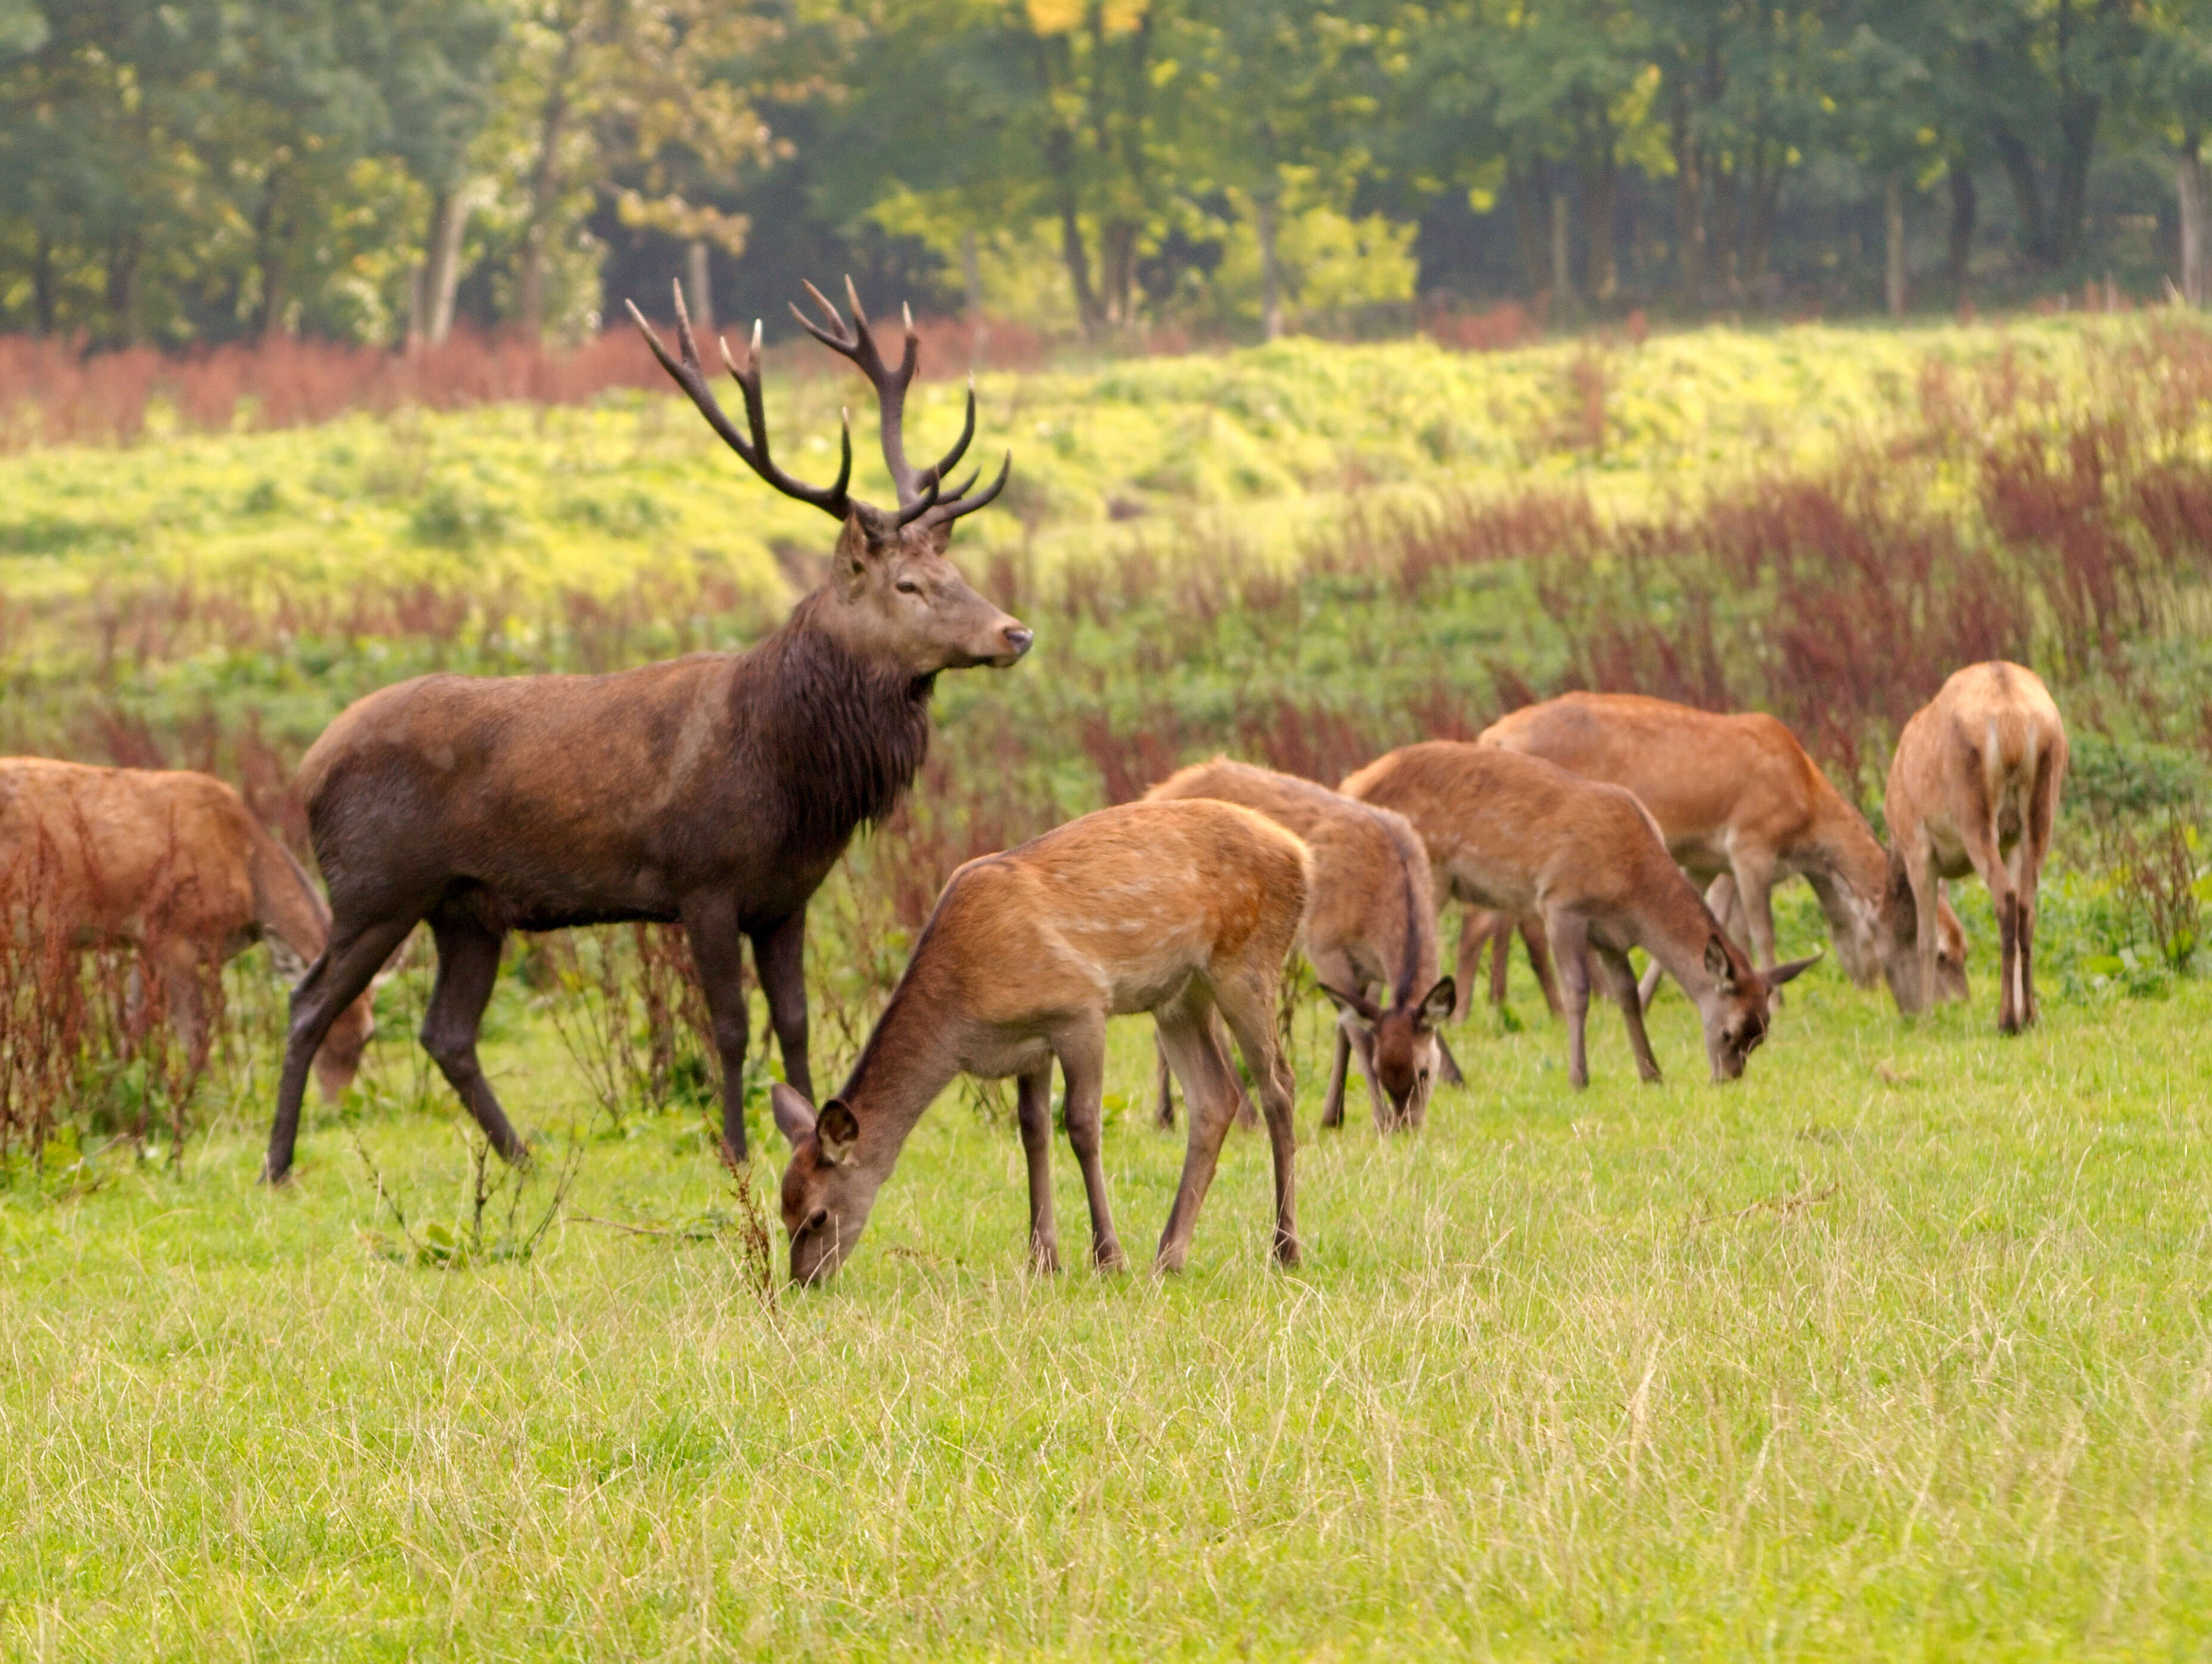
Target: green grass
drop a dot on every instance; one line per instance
(1898, 1348)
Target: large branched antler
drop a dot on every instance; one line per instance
(833, 499)
(921, 495)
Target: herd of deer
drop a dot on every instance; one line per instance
(717, 791)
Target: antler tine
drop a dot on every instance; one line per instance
(687, 374)
(855, 341)
(950, 459)
(946, 512)
(749, 384)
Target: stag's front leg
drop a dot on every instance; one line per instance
(1033, 1113)
(468, 965)
(780, 955)
(717, 954)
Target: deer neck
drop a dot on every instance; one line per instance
(846, 731)
(1673, 925)
(1851, 867)
(909, 1058)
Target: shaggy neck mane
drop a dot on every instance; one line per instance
(844, 737)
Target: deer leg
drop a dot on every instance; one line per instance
(1033, 1112)
(1533, 937)
(1927, 898)
(780, 956)
(1622, 976)
(1570, 940)
(1474, 935)
(1164, 1115)
(710, 929)
(1989, 861)
(1248, 1010)
(354, 953)
(468, 965)
(1332, 1106)
(1209, 1099)
(1083, 1064)
(1247, 1116)
(1448, 1069)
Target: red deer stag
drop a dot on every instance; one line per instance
(1524, 836)
(1370, 928)
(716, 791)
(174, 864)
(1973, 788)
(1741, 806)
(1175, 909)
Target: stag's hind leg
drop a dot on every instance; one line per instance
(349, 963)
(468, 965)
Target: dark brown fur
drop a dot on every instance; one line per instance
(716, 791)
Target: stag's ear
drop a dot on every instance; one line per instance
(1437, 1007)
(1718, 965)
(836, 1132)
(1357, 1005)
(794, 1115)
(849, 566)
(1790, 972)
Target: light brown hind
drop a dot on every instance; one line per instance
(1370, 930)
(1973, 788)
(1174, 908)
(169, 862)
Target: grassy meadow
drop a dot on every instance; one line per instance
(1897, 1347)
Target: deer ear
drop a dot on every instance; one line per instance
(794, 1115)
(1436, 1008)
(836, 1132)
(1790, 972)
(1357, 1005)
(1718, 965)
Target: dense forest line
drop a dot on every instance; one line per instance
(181, 171)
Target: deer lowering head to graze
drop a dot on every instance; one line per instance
(716, 791)
(1521, 835)
(1973, 788)
(1741, 806)
(1180, 909)
(171, 864)
(1370, 933)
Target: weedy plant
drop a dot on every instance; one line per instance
(496, 1221)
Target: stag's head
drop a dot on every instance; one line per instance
(1734, 1008)
(1400, 1042)
(827, 1194)
(892, 595)
(1897, 931)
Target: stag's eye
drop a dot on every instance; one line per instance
(908, 586)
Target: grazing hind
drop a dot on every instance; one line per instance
(1973, 788)
(1370, 928)
(1524, 836)
(1180, 909)
(171, 863)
